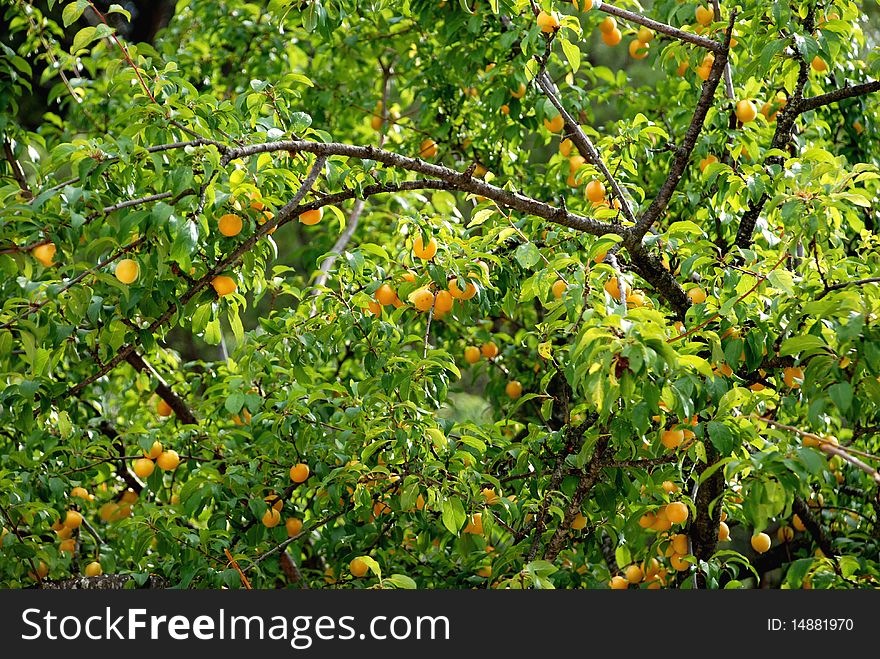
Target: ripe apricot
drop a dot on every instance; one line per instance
(513, 389)
(633, 574)
(798, 524)
(785, 534)
(697, 295)
(607, 25)
(489, 350)
(612, 38)
(223, 285)
(73, 519)
(312, 217)
(475, 524)
(677, 512)
(708, 160)
(422, 299)
(746, 111)
(168, 460)
(669, 487)
(143, 467)
(271, 518)
(554, 124)
(612, 287)
(428, 148)
(80, 493)
(761, 542)
(548, 22)
(230, 224)
(679, 543)
(470, 290)
(637, 49)
(443, 302)
(819, 65)
(645, 35)
(294, 526)
(704, 15)
(274, 500)
(647, 520)
(385, 295)
(618, 583)
(299, 473)
(126, 271)
(723, 532)
(93, 569)
(358, 568)
(558, 288)
(595, 191)
(578, 522)
(793, 376)
(422, 251)
(45, 254)
(635, 298)
(672, 439)
(163, 408)
(155, 450)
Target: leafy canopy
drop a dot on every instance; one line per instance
(650, 321)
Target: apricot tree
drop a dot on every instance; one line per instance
(441, 295)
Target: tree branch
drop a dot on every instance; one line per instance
(583, 143)
(17, 171)
(585, 484)
(844, 284)
(456, 180)
(657, 26)
(800, 508)
(175, 402)
(840, 94)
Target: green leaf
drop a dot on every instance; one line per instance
(73, 11)
(722, 438)
(572, 53)
(527, 255)
(842, 395)
(83, 38)
(400, 581)
(452, 513)
(783, 280)
(798, 344)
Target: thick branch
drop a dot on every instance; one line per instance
(839, 94)
(585, 484)
(175, 402)
(657, 26)
(704, 528)
(800, 508)
(683, 153)
(457, 180)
